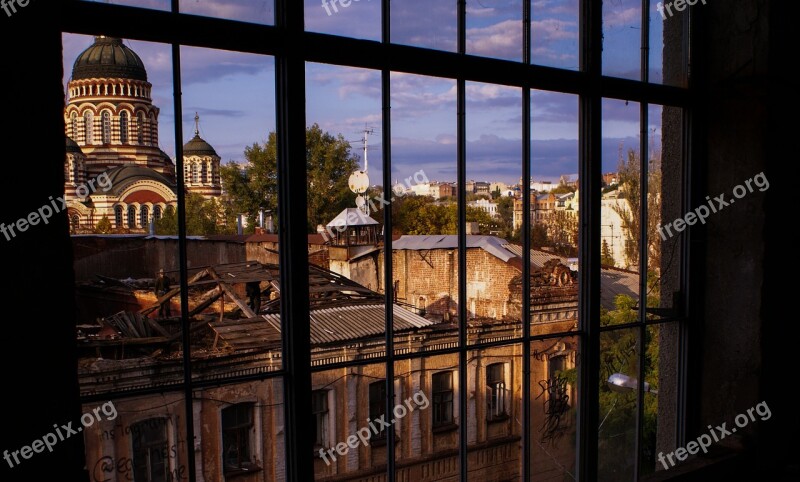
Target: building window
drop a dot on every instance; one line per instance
(156, 213)
(153, 130)
(144, 216)
(106, 127)
(496, 391)
(118, 216)
(319, 409)
(194, 176)
(203, 172)
(150, 450)
(74, 126)
(123, 127)
(87, 128)
(131, 217)
(75, 222)
(237, 426)
(377, 405)
(140, 128)
(442, 394)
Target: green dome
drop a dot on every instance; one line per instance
(108, 58)
(198, 147)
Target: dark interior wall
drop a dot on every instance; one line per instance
(736, 138)
(39, 385)
(746, 324)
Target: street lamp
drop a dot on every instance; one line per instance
(621, 383)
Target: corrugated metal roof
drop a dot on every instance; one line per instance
(615, 282)
(329, 325)
(351, 217)
(490, 244)
(538, 257)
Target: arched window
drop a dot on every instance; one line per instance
(118, 216)
(123, 127)
(144, 216)
(140, 128)
(156, 213)
(194, 177)
(76, 170)
(204, 172)
(87, 128)
(131, 217)
(106, 127)
(75, 222)
(153, 130)
(74, 126)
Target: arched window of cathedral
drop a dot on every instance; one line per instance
(106, 127)
(76, 171)
(131, 216)
(118, 216)
(88, 132)
(156, 213)
(154, 130)
(75, 222)
(74, 126)
(140, 128)
(204, 173)
(194, 173)
(123, 127)
(144, 216)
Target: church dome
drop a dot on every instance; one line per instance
(198, 147)
(107, 58)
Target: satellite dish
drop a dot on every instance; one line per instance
(359, 182)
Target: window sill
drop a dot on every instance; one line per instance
(500, 418)
(445, 427)
(380, 442)
(250, 469)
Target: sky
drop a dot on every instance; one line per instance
(234, 93)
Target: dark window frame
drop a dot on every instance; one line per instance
(442, 400)
(589, 83)
(376, 393)
(241, 431)
(159, 448)
(321, 419)
(497, 392)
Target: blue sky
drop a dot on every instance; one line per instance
(234, 93)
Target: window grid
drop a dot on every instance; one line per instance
(289, 18)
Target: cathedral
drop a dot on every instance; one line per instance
(114, 166)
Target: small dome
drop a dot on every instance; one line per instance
(108, 58)
(198, 147)
(73, 147)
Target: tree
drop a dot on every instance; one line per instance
(619, 354)
(202, 218)
(539, 236)
(562, 189)
(103, 226)
(606, 258)
(562, 228)
(329, 163)
(422, 215)
(505, 215)
(630, 214)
